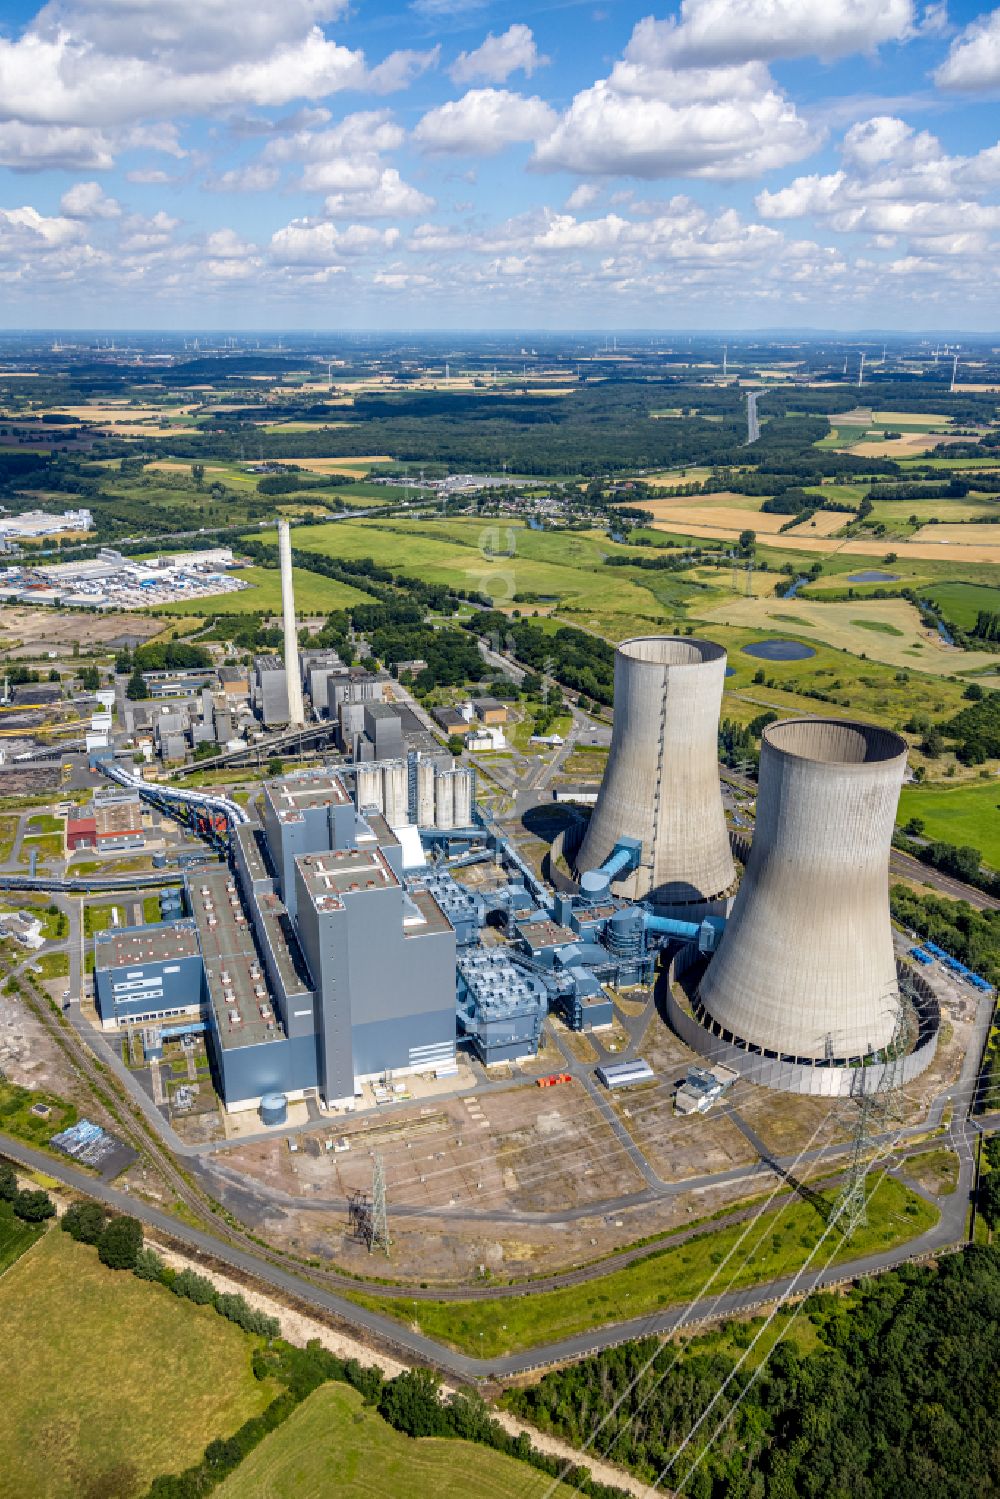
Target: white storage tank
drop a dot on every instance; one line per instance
(425, 793)
(444, 800)
(463, 798)
(274, 1109)
(395, 794)
(368, 788)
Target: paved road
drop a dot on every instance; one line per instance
(415, 1345)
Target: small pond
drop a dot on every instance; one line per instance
(779, 650)
(873, 578)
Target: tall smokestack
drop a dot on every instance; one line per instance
(296, 712)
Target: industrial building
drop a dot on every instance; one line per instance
(340, 943)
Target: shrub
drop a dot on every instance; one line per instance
(8, 1183)
(85, 1222)
(34, 1207)
(119, 1244)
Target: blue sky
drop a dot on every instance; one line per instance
(464, 164)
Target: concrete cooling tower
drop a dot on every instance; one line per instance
(661, 786)
(805, 972)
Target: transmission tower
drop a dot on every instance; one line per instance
(379, 1233)
(880, 1103)
(749, 576)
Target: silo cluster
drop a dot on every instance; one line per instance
(442, 799)
(661, 786)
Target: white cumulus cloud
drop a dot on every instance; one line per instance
(483, 121)
(87, 200)
(497, 57)
(973, 61)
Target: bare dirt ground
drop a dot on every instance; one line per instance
(30, 630)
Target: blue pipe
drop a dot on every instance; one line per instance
(623, 858)
(706, 933)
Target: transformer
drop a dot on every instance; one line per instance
(661, 786)
(805, 970)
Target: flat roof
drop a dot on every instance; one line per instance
(381, 831)
(330, 876)
(118, 817)
(539, 934)
(128, 947)
(284, 945)
(249, 837)
(290, 796)
(435, 919)
(237, 988)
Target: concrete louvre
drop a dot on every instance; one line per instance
(661, 785)
(806, 967)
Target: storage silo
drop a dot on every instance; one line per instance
(396, 793)
(368, 787)
(425, 793)
(661, 784)
(806, 969)
(463, 797)
(444, 799)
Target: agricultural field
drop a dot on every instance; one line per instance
(497, 558)
(964, 814)
(313, 594)
(333, 1433)
(106, 1372)
(15, 1238)
(887, 630)
(961, 602)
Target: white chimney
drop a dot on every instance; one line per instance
(293, 679)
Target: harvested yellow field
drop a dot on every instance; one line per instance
(112, 413)
(908, 445)
(355, 467)
(972, 533)
(874, 546)
(823, 523)
(724, 519)
(887, 630)
(914, 418)
(669, 478)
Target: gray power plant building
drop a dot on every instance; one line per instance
(805, 974)
(661, 786)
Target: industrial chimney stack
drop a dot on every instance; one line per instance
(293, 678)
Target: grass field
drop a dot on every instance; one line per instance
(964, 814)
(313, 595)
(333, 1445)
(15, 1238)
(779, 1244)
(103, 1369)
(500, 559)
(886, 630)
(961, 602)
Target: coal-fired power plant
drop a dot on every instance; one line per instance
(293, 679)
(658, 832)
(805, 974)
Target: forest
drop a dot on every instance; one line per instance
(895, 1399)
